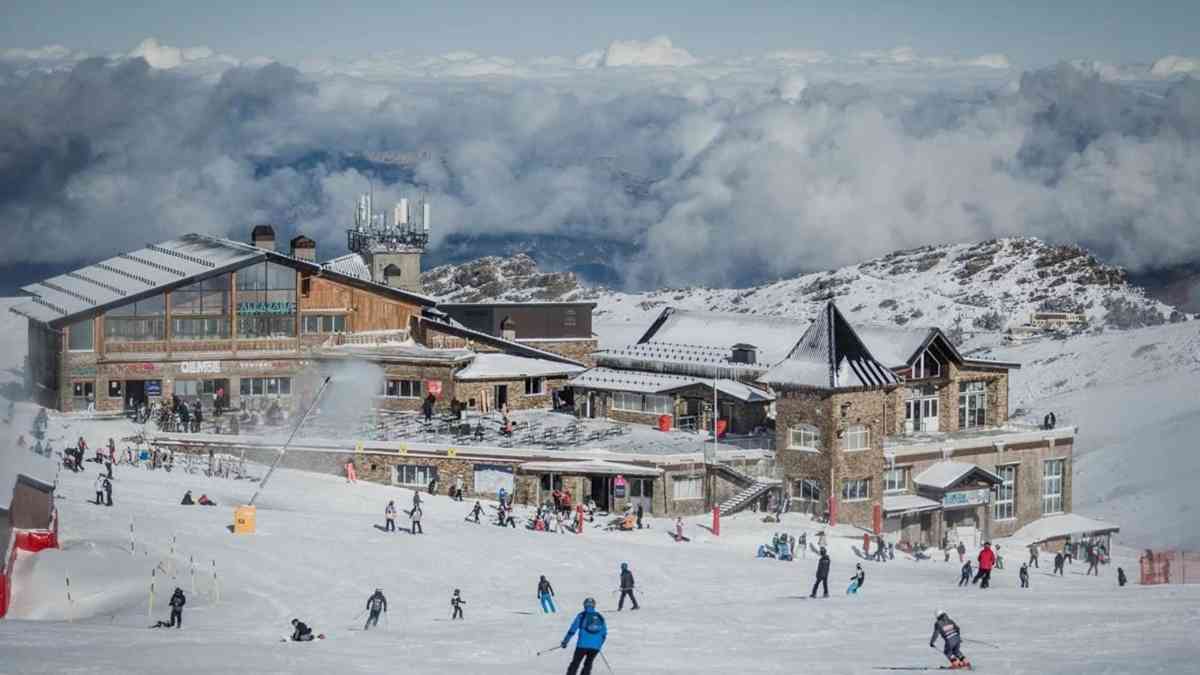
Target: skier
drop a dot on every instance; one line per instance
(177, 602)
(944, 626)
(1033, 555)
(301, 632)
(987, 560)
(1024, 575)
(416, 499)
(545, 594)
(626, 588)
(107, 492)
(592, 633)
(457, 602)
(857, 581)
(1121, 580)
(415, 515)
(1058, 563)
(822, 574)
(375, 604)
(476, 511)
(99, 486)
(966, 574)
(880, 549)
(389, 514)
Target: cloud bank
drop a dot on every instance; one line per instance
(720, 172)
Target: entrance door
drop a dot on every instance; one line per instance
(601, 492)
(929, 414)
(641, 491)
(82, 394)
(135, 392)
(500, 395)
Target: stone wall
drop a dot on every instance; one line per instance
(517, 400)
(997, 396)
(874, 409)
(793, 408)
(576, 349)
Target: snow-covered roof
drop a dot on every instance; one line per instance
(944, 474)
(894, 347)
(908, 504)
(488, 366)
(351, 264)
(409, 350)
(610, 379)
(773, 336)
(829, 355)
(699, 360)
(131, 275)
(598, 466)
(1053, 527)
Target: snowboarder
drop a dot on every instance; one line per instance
(205, 501)
(107, 491)
(301, 632)
(626, 588)
(476, 511)
(822, 574)
(857, 581)
(1024, 575)
(944, 626)
(389, 515)
(375, 604)
(415, 515)
(1058, 563)
(592, 633)
(1121, 580)
(177, 602)
(99, 486)
(966, 574)
(457, 602)
(987, 560)
(545, 594)
(1033, 555)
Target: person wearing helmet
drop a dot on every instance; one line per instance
(592, 633)
(301, 632)
(375, 604)
(626, 588)
(457, 602)
(944, 626)
(857, 581)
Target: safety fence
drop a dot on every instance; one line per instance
(1170, 567)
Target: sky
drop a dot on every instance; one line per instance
(1030, 33)
(689, 145)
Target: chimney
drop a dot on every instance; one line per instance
(744, 353)
(508, 328)
(393, 276)
(263, 236)
(304, 248)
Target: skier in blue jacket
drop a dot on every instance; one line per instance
(592, 634)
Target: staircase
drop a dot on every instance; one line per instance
(748, 494)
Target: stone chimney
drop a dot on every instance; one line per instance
(508, 328)
(304, 248)
(263, 236)
(744, 353)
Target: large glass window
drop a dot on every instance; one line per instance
(414, 475)
(402, 388)
(804, 436)
(141, 321)
(807, 490)
(324, 323)
(926, 366)
(535, 386)
(647, 403)
(1005, 506)
(687, 488)
(972, 404)
(856, 437)
(266, 301)
(200, 311)
(856, 489)
(266, 386)
(81, 336)
(895, 480)
(1052, 486)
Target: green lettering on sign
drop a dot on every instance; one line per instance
(272, 308)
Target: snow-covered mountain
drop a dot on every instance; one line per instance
(985, 286)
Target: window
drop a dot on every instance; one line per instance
(856, 490)
(926, 366)
(1052, 486)
(648, 403)
(895, 481)
(115, 390)
(415, 475)
(856, 437)
(266, 386)
(200, 311)
(804, 436)
(141, 321)
(569, 318)
(197, 388)
(402, 388)
(83, 389)
(687, 488)
(324, 323)
(1005, 506)
(535, 386)
(81, 336)
(642, 487)
(266, 301)
(972, 402)
(807, 490)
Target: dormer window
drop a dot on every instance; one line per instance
(926, 366)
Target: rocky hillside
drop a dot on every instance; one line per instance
(986, 286)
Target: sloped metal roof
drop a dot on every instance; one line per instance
(830, 355)
(945, 474)
(773, 336)
(609, 379)
(352, 265)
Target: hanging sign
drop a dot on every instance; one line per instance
(966, 498)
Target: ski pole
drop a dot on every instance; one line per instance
(552, 649)
(605, 660)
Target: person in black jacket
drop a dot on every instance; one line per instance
(1058, 564)
(375, 604)
(545, 593)
(177, 602)
(965, 579)
(1121, 580)
(457, 602)
(1024, 575)
(640, 512)
(107, 492)
(822, 574)
(301, 632)
(944, 626)
(187, 499)
(626, 587)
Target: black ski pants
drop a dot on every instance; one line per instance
(584, 656)
(176, 618)
(953, 649)
(416, 527)
(390, 525)
(821, 581)
(372, 620)
(621, 601)
(1033, 560)
(108, 497)
(983, 578)
(458, 613)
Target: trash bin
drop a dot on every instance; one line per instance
(243, 520)
(664, 422)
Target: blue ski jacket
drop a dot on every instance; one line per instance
(591, 628)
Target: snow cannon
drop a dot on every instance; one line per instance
(243, 519)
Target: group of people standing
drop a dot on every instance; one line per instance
(414, 516)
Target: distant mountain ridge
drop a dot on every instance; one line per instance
(985, 286)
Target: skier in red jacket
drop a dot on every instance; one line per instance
(987, 560)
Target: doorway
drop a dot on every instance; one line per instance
(135, 393)
(641, 492)
(601, 492)
(500, 395)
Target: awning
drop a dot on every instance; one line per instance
(1067, 524)
(944, 475)
(591, 467)
(909, 504)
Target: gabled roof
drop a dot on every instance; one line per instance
(773, 336)
(898, 347)
(946, 474)
(609, 379)
(829, 355)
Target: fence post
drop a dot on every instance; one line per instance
(216, 588)
(70, 601)
(150, 605)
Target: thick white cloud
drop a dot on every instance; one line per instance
(166, 57)
(657, 51)
(1175, 65)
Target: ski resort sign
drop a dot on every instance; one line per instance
(963, 498)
